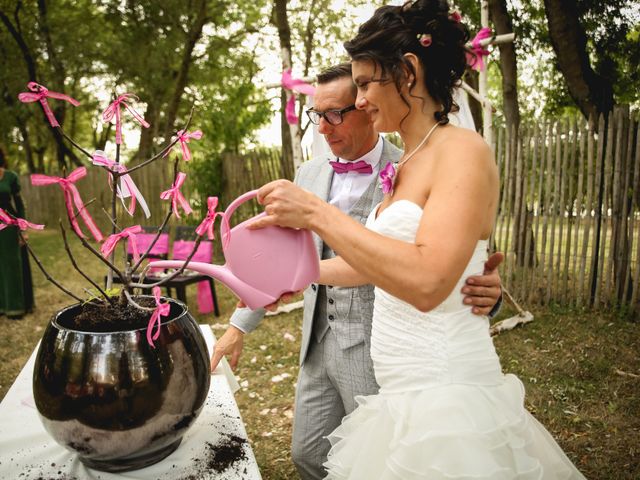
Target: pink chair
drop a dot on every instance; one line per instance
(143, 240)
(207, 300)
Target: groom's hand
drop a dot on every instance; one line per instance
(231, 343)
(483, 291)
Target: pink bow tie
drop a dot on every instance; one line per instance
(359, 167)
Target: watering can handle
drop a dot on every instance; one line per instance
(224, 226)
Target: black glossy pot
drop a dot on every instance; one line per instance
(117, 402)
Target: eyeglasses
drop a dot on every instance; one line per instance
(333, 117)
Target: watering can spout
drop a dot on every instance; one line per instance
(252, 297)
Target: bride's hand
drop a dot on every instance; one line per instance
(285, 205)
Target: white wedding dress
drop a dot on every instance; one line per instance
(445, 409)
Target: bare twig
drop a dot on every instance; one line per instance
(164, 150)
(137, 305)
(72, 142)
(115, 225)
(44, 271)
(111, 266)
(164, 224)
(75, 265)
(626, 374)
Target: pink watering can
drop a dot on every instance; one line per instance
(263, 264)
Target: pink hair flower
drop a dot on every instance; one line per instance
(425, 39)
(455, 16)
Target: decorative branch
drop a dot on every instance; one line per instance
(72, 142)
(75, 265)
(44, 271)
(135, 304)
(162, 152)
(164, 224)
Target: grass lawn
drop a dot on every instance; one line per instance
(580, 370)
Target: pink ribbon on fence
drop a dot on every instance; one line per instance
(127, 187)
(183, 138)
(206, 226)
(71, 197)
(7, 220)
(40, 94)
(296, 86)
(176, 196)
(475, 58)
(162, 310)
(110, 243)
(114, 110)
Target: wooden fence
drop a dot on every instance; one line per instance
(569, 218)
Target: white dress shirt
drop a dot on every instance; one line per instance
(347, 188)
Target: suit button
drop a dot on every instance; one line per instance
(331, 302)
(313, 287)
(331, 317)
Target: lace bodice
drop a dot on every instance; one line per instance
(412, 350)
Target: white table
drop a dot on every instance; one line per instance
(28, 452)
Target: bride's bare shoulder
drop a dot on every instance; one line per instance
(464, 147)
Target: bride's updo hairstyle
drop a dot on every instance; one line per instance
(425, 28)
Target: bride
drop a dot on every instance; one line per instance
(445, 409)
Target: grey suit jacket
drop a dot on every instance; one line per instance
(353, 307)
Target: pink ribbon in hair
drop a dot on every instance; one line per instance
(183, 138)
(207, 224)
(7, 220)
(475, 58)
(71, 197)
(127, 187)
(40, 94)
(296, 86)
(162, 310)
(113, 110)
(177, 199)
(110, 243)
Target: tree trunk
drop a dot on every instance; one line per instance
(193, 35)
(592, 93)
(281, 21)
(508, 62)
(59, 109)
(471, 77)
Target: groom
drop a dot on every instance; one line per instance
(336, 330)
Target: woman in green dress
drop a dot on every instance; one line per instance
(16, 289)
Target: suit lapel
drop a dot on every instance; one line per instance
(322, 188)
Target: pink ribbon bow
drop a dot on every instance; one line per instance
(114, 110)
(162, 310)
(7, 220)
(206, 226)
(40, 94)
(295, 85)
(71, 197)
(176, 196)
(344, 167)
(387, 178)
(183, 138)
(475, 58)
(110, 243)
(127, 187)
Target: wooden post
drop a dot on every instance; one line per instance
(487, 128)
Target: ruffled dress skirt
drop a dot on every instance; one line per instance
(447, 432)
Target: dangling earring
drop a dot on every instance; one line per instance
(409, 85)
